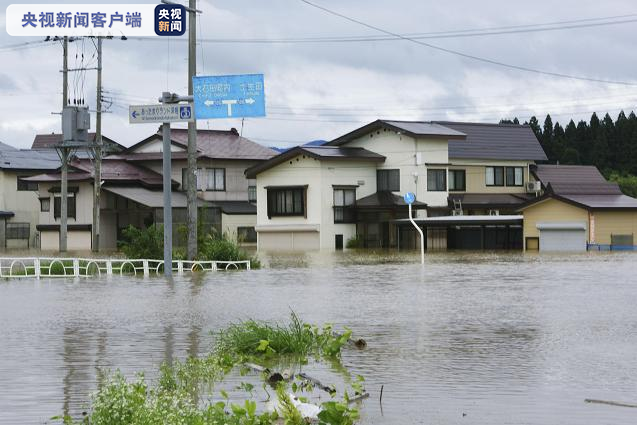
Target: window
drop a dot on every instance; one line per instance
(494, 176)
(45, 204)
(436, 180)
(246, 234)
(18, 231)
(252, 194)
(26, 186)
(57, 205)
(388, 180)
(344, 198)
(216, 179)
(286, 201)
(515, 176)
(457, 180)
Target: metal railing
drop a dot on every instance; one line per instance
(37, 267)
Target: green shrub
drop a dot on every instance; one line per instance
(145, 243)
(355, 242)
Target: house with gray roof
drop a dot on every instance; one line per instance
(19, 203)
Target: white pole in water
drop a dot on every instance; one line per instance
(409, 199)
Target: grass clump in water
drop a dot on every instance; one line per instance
(254, 338)
(185, 392)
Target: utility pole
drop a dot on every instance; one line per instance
(191, 193)
(97, 177)
(64, 196)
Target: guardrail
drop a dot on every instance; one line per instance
(87, 267)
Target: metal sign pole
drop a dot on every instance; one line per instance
(410, 198)
(168, 213)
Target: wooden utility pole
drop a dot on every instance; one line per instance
(98, 150)
(191, 193)
(64, 155)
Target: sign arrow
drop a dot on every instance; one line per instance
(134, 114)
(250, 101)
(209, 103)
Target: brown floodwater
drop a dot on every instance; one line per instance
(470, 338)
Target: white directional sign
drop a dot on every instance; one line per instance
(144, 114)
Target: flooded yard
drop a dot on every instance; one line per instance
(473, 338)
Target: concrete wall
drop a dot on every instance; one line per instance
(609, 223)
(476, 175)
(552, 210)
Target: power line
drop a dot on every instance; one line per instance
(467, 55)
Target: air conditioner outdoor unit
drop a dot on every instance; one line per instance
(532, 187)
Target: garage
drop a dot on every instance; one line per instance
(288, 238)
(562, 236)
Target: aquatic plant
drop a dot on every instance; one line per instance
(254, 338)
(176, 397)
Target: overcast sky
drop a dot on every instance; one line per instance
(322, 90)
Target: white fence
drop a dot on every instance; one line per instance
(86, 267)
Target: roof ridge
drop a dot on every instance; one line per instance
(489, 124)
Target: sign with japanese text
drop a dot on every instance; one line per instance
(144, 114)
(229, 96)
(95, 20)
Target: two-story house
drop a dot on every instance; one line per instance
(352, 187)
(132, 190)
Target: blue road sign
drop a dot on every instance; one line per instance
(229, 96)
(409, 198)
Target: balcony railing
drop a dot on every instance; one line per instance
(344, 215)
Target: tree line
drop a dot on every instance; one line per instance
(610, 145)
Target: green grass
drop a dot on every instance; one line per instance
(184, 391)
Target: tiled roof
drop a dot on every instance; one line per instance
(216, 144)
(604, 201)
(318, 152)
(235, 207)
(568, 174)
(48, 141)
(495, 141)
(385, 200)
(29, 160)
(411, 128)
(490, 200)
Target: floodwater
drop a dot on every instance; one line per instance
(476, 338)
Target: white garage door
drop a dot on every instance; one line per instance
(289, 241)
(562, 236)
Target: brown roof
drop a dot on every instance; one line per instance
(490, 200)
(113, 171)
(216, 144)
(579, 174)
(385, 200)
(589, 202)
(48, 141)
(318, 152)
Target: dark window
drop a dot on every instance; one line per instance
(252, 194)
(494, 176)
(621, 240)
(246, 234)
(45, 204)
(26, 186)
(215, 179)
(457, 180)
(344, 198)
(436, 180)
(515, 176)
(388, 180)
(57, 204)
(18, 231)
(286, 201)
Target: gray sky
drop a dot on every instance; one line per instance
(322, 90)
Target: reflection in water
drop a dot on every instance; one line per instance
(502, 338)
